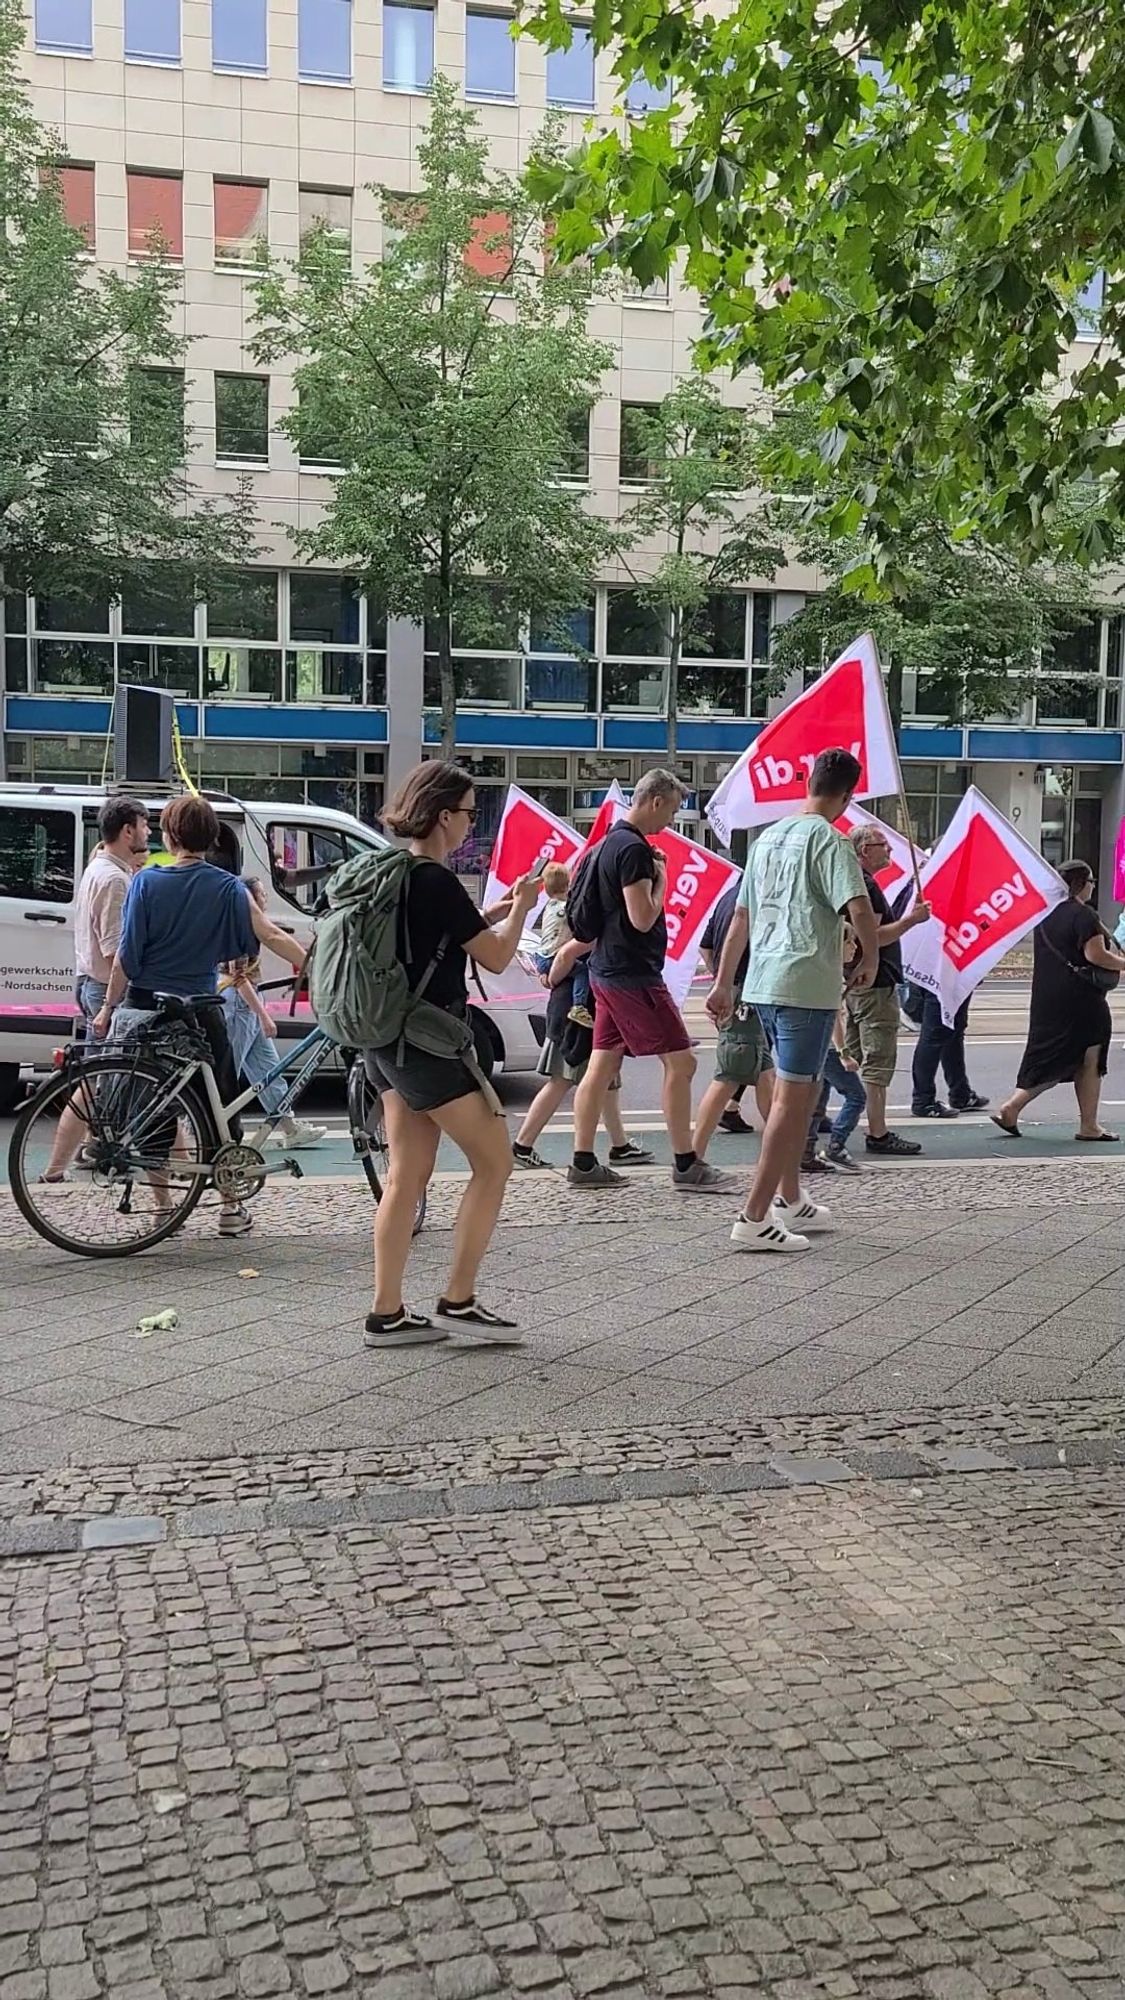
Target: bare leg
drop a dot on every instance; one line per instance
(763, 1093)
(483, 1138)
(877, 1110)
(1013, 1106)
(412, 1143)
(613, 1121)
(1088, 1089)
(712, 1104)
(589, 1098)
(679, 1069)
(783, 1142)
(542, 1109)
(70, 1132)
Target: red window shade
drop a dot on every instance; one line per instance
(156, 209)
(76, 192)
(489, 252)
(240, 221)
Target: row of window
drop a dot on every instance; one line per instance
(240, 42)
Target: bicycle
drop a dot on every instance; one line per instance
(158, 1134)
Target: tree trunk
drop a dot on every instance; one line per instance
(448, 690)
(672, 704)
(894, 697)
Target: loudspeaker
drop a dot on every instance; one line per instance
(142, 736)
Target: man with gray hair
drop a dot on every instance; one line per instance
(873, 1016)
(634, 1013)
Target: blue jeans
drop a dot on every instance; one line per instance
(800, 1038)
(89, 994)
(580, 977)
(255, 1054)
(850, 1088)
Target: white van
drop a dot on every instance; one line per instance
(47, 833)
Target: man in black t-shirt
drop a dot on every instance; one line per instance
(871, 1041)
(634, 1013)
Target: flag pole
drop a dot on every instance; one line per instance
(909, 832)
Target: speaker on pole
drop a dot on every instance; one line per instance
(142, 736)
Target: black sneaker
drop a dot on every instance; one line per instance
(401, 1329)
(480, 1325)
(934, 1110)
(734, 1123)
(631, 1155)
(840, 1158)
(818, 1163)
(973, 1102)
(890, 1143)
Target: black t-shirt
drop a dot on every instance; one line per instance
(622, 955)
(890, 971)
(715, 935)
(1069, 928)
(437, 906)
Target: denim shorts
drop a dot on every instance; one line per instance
(800, 1038)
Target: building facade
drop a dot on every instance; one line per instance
(214, 123)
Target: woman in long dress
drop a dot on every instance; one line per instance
(1070, 1026)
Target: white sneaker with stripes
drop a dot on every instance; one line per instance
(770, 1235)
(811, 1217)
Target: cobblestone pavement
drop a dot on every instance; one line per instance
(858, 1739)
(943, 1287)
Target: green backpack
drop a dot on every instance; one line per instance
(358, 985)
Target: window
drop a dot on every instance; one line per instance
(240, 221)
(654, 293)
(76, 609)
(401, 214)
(65, 27)
(239, 35)
(633, 629)
(717, 630)
(36, 854)
(155, 204)
(634, 460)
(152, 31)
(576, 456)
(303, 857)
(642, 96)
(329, 210)
(408, 47)
(319, 442)
(323, 608)
(1088, 307)
(156, 409)
(490, 57)
(570, 73)
(489, 249)
(76, 196)
(324, 41)
(156, 601)
(243, 605)
(242, 417)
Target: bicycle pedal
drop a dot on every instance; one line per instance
(295, 1168)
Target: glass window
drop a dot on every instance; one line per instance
(76, 194)
(155, 204)
(576, 453)
(15, 670)
(710, 690)
(327, 209)
(242, 417)
(634, 459)
(239, 35)
(1088, 307)
(718, 629)
(323, 608)
(1077, 651)
(156, 408)
(63, 666)
(642, 96)
(65, 27)
(324, 41)
(243, 605)
(173, 668)
(561, 683)
(152, 31)
(490, 56)
(36, 854)
(408, 47)
(567, 629)
(319, 443)
(322, 676)
(242, 673)
(71, 609)
(761, 624)
(302, 857)
(241, 224)
(633, 630)
(489, 250)
(484, 619)
(570, 72)
(634, 687)
(156, 600)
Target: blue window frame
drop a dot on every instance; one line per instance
(490, 57)
(642, 96)
(1088, 307)
(152, 31)
(408, 47)
(570, 73)
(65, 27)
(324, 41)
(239, 35)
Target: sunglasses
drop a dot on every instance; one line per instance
(470, 813)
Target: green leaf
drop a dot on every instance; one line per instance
(1098, 139)
(1072, 142)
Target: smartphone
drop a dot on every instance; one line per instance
(537, 873)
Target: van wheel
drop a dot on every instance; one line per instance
(9, 1088)
(485, 1042)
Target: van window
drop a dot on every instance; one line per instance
(302, 857)
(36, 854)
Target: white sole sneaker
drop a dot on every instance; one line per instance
(810, 1217)
(768, 1236)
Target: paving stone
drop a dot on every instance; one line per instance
(123, 1531)
(810, 1471)
(38, 1536)
(974, 1458)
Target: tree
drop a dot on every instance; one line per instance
(448, 376)
(93, 478)
(697, 458)
(902, 212)
(973, 619)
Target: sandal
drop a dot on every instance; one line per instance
(1009, 1131)
(1097, 1138)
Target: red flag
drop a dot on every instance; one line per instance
(845, 708)
(697, 877)
(527, 833)
(899, 869)
(608, 811)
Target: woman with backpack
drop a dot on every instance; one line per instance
(425, 1095)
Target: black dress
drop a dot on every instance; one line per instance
(1068, 1013)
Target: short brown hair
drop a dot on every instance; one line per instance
(190, 824)
(424, 794)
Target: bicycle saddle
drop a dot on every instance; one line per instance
(174, 1007)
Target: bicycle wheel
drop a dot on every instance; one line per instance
(369, 1136)
(139, 1130)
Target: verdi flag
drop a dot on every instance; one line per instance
(899, 870)
(527, 834)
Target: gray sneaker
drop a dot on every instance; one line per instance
(699, 1178)
(596, 1176)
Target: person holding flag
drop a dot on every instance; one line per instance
(802, 880)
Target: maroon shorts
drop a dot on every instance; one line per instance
(637, 1020)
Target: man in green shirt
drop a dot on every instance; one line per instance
(801, 881)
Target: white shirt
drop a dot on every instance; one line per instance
(97, 914)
